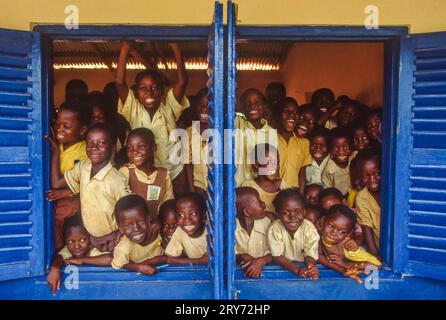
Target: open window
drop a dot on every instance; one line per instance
(309, 58)
(90, 53)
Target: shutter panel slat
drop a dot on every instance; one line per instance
(21, 198)
(426, 225)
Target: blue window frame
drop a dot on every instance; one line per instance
(411, 242)
(414, 211)
(36, 252)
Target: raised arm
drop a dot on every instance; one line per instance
(179, 89)
(121, 86)
(57, 180)
(102, 260)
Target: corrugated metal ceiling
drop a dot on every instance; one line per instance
(72, 52)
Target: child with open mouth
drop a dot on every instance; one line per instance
(139, 248)
(292, 238)
(188, 243)
(294, 151)
(251, 129)
(151, 183)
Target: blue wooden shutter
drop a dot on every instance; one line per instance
(21, 181)
(421, 152)
(231, 76)
(215, 174)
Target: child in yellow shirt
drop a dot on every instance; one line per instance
(337, 228)
(78, 250)
(139, 248)
(151, 183)
(323, 100)
(330, 197)
(368, 200)
(294, 151)
(251, 244)
(292, 238)
(319, 151)
(188, 243)
(99, 184)
(69, 130)
(356, 182)
(336, 173)
(168, 218)
(197, 169)
(251, 129)
(306, 120)
(153, 109)
(267, 181)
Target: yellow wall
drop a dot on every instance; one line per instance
(353, 69)
(421, 16)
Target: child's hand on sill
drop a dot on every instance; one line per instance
(313, 271)
(147, 269)
(355, 271)
(53, 280)
(253, 268)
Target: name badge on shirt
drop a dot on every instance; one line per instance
(153, 192)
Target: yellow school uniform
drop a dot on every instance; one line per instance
(304, 243)
(66, 254)
(368, 211)
(359, 255)
(72, 155)
(180, 242)
(293, 155)
(246, 138)
(255, 244)
(144, 178)
(128, 251)
(200, 169)
(330, 124)
(352, 198)
(265, 196)
(162, 123)
(337, 177)
(314, 171)
(98, 195)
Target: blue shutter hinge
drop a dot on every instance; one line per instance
(236, 293)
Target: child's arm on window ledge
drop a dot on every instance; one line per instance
(183, 260)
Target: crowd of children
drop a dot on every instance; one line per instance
(309, 193)
(317, 197)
